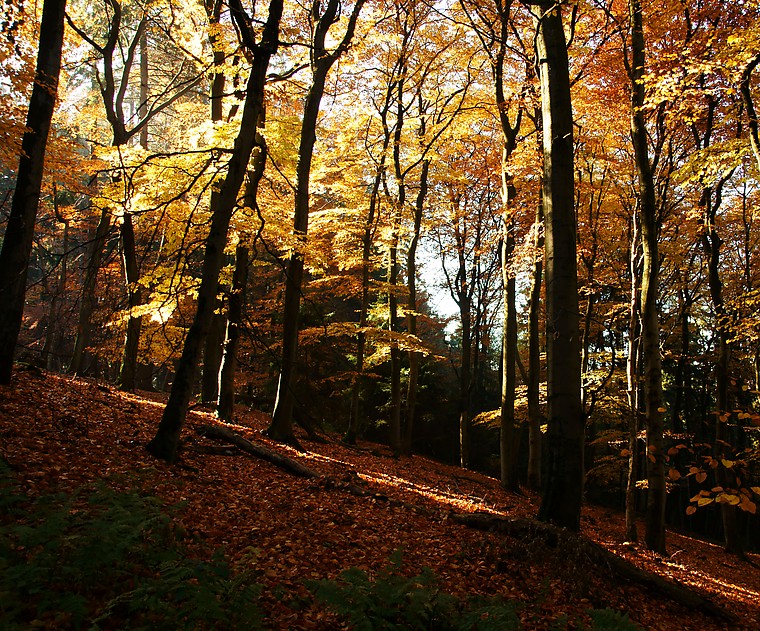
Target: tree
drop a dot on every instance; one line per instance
(563, 494)
(166, 441)
(322, 18)
(124, 42)
(17, 240)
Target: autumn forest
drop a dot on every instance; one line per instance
(520, 240)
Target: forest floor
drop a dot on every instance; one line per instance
(59, 433)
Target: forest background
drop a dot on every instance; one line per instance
(265, 204)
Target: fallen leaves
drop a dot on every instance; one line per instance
(58, 433)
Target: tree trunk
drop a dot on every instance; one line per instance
(128, 370)
(411, 315)
(51, 352)
(650, 329)
(19, 231)
(352, 431)
(88, 299)
(464, 381)
(281, 427)
(632, 370)
(711, 243)
(534, 357)
(563, 494)
(235, 305)
(166, 441)
(213, 348)
(508, 434)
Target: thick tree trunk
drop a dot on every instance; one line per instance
(19, 231)
(563, 494)
(166, 441)
(235, 305)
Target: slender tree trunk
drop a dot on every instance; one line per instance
(464, 380)
(508, 434)
(563, 494)
(54, 335)
(88, 299)
(166, 441)
(281, 428)
(236, 302)
(534, 356)
(128, 369)
(711, 243)
(411, 316)
(352, 430)
(213, 347)
(655, 534)
(19, 231)
(632, 370)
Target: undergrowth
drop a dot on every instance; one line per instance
(101, 558)
(395, 601)
(104, 559)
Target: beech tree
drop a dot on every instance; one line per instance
(166, 441)
(563, 494)
(321, 60)
(19, 232)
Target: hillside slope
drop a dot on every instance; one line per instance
(58, 433)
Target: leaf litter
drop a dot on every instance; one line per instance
(59, 433)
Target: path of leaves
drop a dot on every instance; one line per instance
(59, 433)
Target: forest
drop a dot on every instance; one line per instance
(516, 238)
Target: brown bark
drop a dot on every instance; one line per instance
(411, 315)
(235, 305)
(535, 417)
(128, 370)
(650, 330)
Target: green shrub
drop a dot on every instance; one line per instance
(103, 557)
(394, 601)
(611, 620)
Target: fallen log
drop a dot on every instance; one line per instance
(217, 432)
(555, 537)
